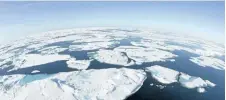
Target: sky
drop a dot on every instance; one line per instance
(195, 18)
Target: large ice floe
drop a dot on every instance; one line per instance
(162, 74)
(112, 57)
(140, 54)
(104, 84)
(78, 64)
(167, 76)
(30, 60)
(209, 62)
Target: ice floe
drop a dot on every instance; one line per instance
(30, 60)
(112, 84)
(78, 64)
(201, 90)
(167, 76)
(112, 57)
(192, 82)
(208, 62)
(202, 48)
(160, 86)
(35, 71)
(210, 83)
(162, 74)
(140, 54)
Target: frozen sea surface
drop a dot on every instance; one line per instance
(111, 64)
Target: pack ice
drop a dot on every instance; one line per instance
(112, 84)
(167, 76)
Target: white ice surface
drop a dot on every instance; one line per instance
(112, 84)
(78, 64)
(30, 60)
(160, 86)
(167, 76)
(35, 71)
(192, 82)
(209, 62)
(201, 90)
(210, 83)
(162, 74)
(111, 57)
(141, 55)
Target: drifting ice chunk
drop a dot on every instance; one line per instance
(78, 64)
(160, 86)
(192, 82)
(44, 90)
(112, 57)
(141, 55)
(210, 83)
(201, 90)
(114, 84)
(172, 60)
(168, 76)
(35, 71)
(151, 84)
(162, 74)
(36, 59)
(208, 62)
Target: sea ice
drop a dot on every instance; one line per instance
(36, 59)
(201, 90)
(168, 76)
(209, 62)
(141, 55)
(78, 64)
(162, 74)
(112, 57)
(35, 71)
(112, 84)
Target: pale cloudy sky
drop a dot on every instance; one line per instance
(200, 19)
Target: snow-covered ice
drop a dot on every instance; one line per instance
(30, 60)
(35, 71)
(210, 83)
(112, 57)
(160, 86)
(78, 64)
(82, 85)
(162, 74)
(194, 82)
(167, 76)
(209, 62)
(201, 90)
(140, 54)
(112, 84)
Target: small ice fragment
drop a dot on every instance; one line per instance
(201, 90)
(35, 71)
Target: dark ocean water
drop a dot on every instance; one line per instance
(146, 92)
(177, 92)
